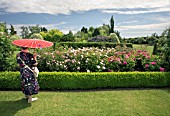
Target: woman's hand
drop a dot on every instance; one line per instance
(35, 56)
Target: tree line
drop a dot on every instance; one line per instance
(55, 35)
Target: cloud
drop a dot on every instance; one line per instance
(144, 27)
(49, 26)
(68, 6)
(136, 11)
(66, 29)
(128, 22)
(141, 30)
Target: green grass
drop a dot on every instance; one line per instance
(143, 47)
(154, 102)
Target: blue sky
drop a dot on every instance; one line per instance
(133, 18)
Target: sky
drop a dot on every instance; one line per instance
(133, 18)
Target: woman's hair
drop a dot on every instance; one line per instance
(24, 48)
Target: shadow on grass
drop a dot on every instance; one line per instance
(168, 90)
(10, 108)
(108, 89)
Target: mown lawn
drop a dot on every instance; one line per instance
(143, 47)
(155, 102)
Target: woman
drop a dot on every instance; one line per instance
(29, 83)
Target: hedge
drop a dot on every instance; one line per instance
(91, 44)
(68, 80)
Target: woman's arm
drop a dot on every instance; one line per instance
(34, 60)
(19, 61)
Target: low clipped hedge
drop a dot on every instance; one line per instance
(68, 80)
(91, 44)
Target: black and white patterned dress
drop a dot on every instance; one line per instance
(29, 82)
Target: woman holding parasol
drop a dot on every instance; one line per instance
(28, 65)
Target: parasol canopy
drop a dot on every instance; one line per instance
(32, 43)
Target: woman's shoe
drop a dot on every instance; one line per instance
(32, 99)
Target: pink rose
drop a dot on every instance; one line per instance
(162, 69)
(134, 59)
(146, 65)
(118, 59)
(124, 62)
(109, 70)
(139, 50)
(153, 63)
(126, 56)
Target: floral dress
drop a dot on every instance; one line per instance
(29, 82)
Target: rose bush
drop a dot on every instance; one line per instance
(93, 59)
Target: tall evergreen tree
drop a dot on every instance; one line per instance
(111, 25)
(13, 32)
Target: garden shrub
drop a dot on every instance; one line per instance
(9, 80)
(114, 38)
(6, 50)
(14, 37)
(166, 50)
(67, 80)
(92, 44)
(99, 60)
(100, 38)
(36, 36)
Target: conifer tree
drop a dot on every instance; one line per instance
(13, 32)
(111, 25)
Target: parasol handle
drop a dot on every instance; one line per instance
(35, 54)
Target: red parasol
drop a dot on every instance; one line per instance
(32, 43)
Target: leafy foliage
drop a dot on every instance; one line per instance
(99, 60)
(6, 50)
(52, 35)
(77, 45)
(34, 29)
(166, 49)
(24, 32)
(114, 38)
(3, 27)
(68, 37)
(84, 30)
(43, 29)
(36, 36)
(96, 32)
(14, 37)
(67, 80)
